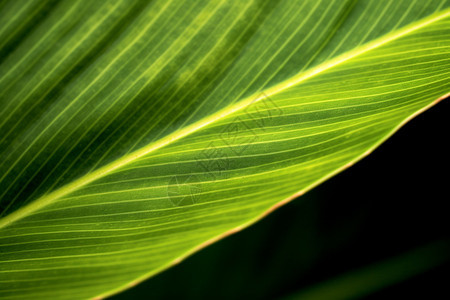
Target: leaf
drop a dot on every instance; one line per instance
(362, 282)
(134, 133)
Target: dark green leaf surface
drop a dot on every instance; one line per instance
(360, 283)
(134, 133)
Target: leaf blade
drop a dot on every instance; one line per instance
(317, 134)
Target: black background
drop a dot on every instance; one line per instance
(391, 202)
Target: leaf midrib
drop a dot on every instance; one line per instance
(179, 134)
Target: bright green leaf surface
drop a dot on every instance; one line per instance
(134, 133)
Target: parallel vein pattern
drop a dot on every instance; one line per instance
(135, 132)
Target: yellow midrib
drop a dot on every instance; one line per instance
(107, 169)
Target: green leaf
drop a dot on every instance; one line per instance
(134, 133)
(362, 282)
(359, 283)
